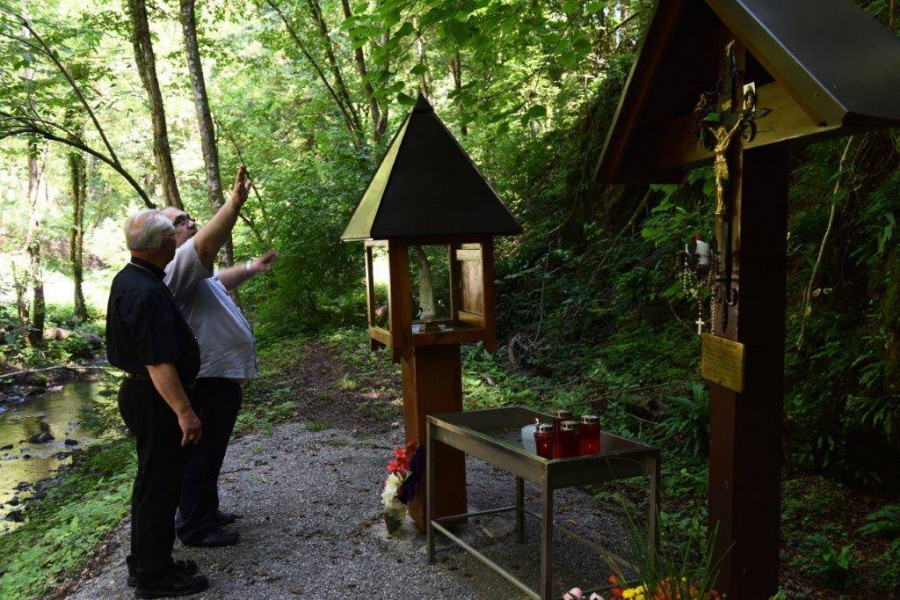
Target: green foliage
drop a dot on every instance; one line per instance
(76, 348)
(317, 425)
(687, 425)
(885, 523)
(687, 569)
(64, 527)
(819, 556)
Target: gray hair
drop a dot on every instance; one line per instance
(147, 230)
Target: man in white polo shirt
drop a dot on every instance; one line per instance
(227, 357)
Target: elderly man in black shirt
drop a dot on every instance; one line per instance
(150, 341)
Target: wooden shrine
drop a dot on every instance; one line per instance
(428, 219)
(735, 85)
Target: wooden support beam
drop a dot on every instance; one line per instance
(746, 428)
(432, 383)
(400, 306)
(674, 147)
(640, 81)
(487, 277)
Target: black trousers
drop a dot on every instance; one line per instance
(216, 402)
(154, 497)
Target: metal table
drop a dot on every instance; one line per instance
(494, 436)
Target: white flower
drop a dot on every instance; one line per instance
(389, 495)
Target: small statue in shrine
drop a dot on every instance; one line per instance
(426, 291)
(381, 316)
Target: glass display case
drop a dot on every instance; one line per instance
(429, 293)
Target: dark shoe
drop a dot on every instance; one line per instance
(212, 538)
(173, 583)
(185, 567)
(224, 518)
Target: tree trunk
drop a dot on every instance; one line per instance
(456, 68)
(145, 60)
(78, 180)
(383, 117)
(360, 59)
(358, 137)
(21, 286)
(340, 86)
(33, 248)
(420, 54)
(204, 118)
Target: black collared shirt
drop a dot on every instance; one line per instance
(145, 327)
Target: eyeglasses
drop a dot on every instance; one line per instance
(183, 220)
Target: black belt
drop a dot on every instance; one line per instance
(137, 376)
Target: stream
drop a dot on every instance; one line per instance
(40, 434)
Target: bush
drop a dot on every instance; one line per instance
(687, 426)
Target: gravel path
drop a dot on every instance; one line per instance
(312, 528)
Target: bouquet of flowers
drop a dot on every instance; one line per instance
(667, 589)
(405, 470)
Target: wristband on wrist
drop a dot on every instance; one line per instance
(247, 266)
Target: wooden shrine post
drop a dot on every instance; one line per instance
(432, 384)
(732, 85)
(425, 193)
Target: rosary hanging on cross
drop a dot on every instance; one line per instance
(698, 265)
(717, 125)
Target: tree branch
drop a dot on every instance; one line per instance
(347, 120)
(328, 45)
(28, 127)
(65, 73)
(807, 295)
(262, 204)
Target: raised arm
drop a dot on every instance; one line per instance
(231, 277)
(212, 236)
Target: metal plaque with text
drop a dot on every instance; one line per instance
(722, 361)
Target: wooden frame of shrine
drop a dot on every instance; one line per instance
(427, 192)
(735, 83)
(392, 323)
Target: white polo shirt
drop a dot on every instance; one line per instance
(227, 345)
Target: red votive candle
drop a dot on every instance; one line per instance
(543, 440)
(558, 417)
(569, 439)
(590, 434)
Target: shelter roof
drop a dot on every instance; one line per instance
(838, 66)
(427, 186)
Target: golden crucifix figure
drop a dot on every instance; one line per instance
(724, 136)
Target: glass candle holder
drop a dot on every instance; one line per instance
(527, 434)
(558, 417)
(569, 439)
(544, 438)
(590, 434)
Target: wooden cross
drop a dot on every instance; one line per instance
(745, 427)
(816, 77)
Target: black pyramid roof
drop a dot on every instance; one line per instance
(839, 64)
(426, 185)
